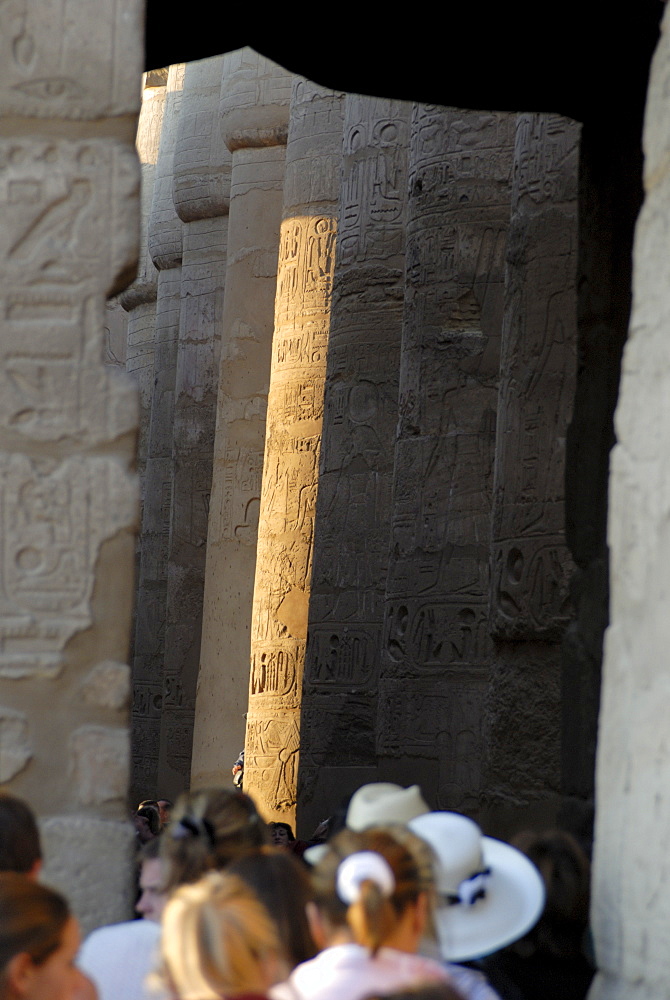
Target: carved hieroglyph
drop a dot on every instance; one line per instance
(530, 562)
(201, 190)
(360, 415)
(165, 247)
(255, 96)
(69, 200)
(436, 648)
(292, 446)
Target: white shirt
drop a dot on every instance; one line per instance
(349, 972)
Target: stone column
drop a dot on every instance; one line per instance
(436, 657)
(201, 187)
(631, 908)
(68, 498)
(354, 503)
(292, 447)
(531, 566)
(165, 247)
(255, 97)
(139, 300)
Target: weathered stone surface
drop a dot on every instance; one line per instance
(15, 746)
(165, 248)
(62, 60)
(354, 500)
(531, 565)
(292, 446)
(98, 766)
(246, 344)
(201, 195)
(107, 685)
(55, 517)
(436, 620)
(631, 910)
(77, 855)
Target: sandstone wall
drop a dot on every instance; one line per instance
(69, 190)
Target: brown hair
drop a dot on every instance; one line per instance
(218, 939)
(208, 829)
(32, 918)
(19, 836)
(374, 916)
(282, 885)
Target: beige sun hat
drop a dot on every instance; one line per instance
(490, 894)
(382, 802)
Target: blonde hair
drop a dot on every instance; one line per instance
(208, 829)
(218, 939)
(374, 915)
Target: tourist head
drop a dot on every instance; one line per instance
(164, 810)
(489, 893)
(147, 822)
(208, 829)
(373, 886)
(219, 940)
(382, 802)
(282, 884)
(281, 834)
(153, 895)
(39, 940)
(20, 849)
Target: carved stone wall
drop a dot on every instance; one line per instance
(68, 498)
(530, 605)
(437, 652)
(165, 247)
(255, 95)
(201, 192)
(354, 501)
(292, 447)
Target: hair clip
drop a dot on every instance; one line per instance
(188, 826)
(364, 866)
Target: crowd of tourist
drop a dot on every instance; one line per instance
(400, 903)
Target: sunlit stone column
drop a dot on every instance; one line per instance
(70, 201)
(531, 566)
(255, 97)
(201, 188)
(360, 417)
(631, 907)
(165, 247)
(436, 656)
(292, 447)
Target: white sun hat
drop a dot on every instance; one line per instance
(490, 894)
(382, 802)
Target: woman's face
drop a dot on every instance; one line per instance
(279, 836)
(58, 978)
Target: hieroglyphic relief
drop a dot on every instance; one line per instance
(307, 249)
(55, 515)
(271, 758)
(360, 412)
(435, 632)
(531, 565)
(58, 256)
(47, 73)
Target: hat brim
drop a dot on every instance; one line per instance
(513, 904)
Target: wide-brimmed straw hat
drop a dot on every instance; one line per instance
(382, 802)
(490, 894)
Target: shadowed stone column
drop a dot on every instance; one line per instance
(201, 187)
(255, 96)
(631, 907)
(530, 605)
(139, 300)
(68, 498)
(354, 504)
(292, 447)
(436, 657)
(165, 247)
